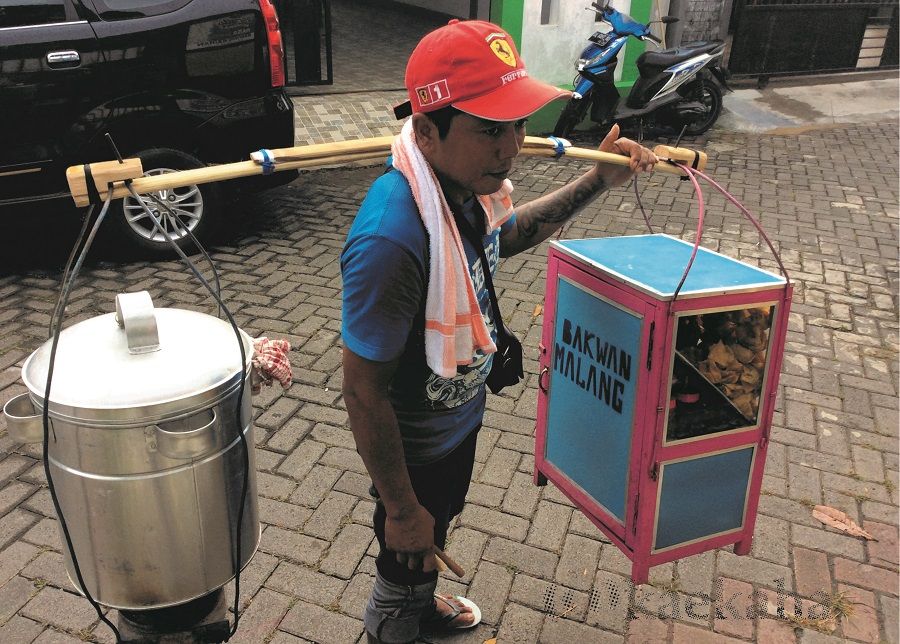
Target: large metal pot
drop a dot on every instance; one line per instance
(144, 450)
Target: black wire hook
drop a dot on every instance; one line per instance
(115, 149)
(680, 134)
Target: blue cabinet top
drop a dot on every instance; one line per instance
(655, 263)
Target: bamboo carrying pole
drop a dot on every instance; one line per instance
(115, 173)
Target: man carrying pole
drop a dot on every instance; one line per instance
(419, 330)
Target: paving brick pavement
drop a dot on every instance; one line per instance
(829, 200)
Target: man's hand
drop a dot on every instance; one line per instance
(408, 528)
(642, 159)
(411, 536)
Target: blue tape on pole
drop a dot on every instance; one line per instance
(268, 164)
(560, 145)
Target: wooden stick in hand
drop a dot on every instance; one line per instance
(444, 558)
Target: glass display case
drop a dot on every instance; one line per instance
(654, 410)
(718, 371)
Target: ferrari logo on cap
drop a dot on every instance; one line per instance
(503, 51)
(433, 92)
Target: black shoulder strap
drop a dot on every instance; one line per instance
(466, 229)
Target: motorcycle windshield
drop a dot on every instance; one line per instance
(624, 25)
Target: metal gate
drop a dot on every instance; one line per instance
(306, 33)
(808, 36)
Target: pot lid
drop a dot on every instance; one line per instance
(160, 361)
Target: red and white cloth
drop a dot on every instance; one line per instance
(271, 362)
(454, 326)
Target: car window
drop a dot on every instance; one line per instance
(122, 9)
(24, 13)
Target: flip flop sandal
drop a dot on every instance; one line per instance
(438, 622)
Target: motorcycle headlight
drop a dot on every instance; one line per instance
(595, 59)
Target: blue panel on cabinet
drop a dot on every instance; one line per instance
(702, 496)
(594, 373)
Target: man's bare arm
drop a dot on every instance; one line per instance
(409, 528)
(538, 219)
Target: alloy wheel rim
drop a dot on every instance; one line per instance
(186, 202)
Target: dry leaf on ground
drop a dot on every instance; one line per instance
(538, 309)
(839, 521)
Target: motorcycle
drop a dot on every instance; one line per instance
(679, 88)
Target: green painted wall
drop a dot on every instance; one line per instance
(509, 14)
(640, 11)
(544, 120)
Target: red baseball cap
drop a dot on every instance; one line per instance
(474, 66)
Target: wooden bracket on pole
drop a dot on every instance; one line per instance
(692, 158)
(102, 174)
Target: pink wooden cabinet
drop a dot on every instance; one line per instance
(654, 412)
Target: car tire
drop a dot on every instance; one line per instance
(198, 207)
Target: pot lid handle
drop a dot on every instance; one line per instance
(134, 313)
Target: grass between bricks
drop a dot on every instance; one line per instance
(840, 605)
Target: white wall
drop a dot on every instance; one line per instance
(459, 8)
(550, 51)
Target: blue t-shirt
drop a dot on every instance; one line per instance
(384, 266)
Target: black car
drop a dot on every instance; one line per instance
(179, 83)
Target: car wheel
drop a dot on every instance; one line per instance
(196, 207)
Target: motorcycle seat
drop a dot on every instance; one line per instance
(652, 62)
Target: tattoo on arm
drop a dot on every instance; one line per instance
(538, 219)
